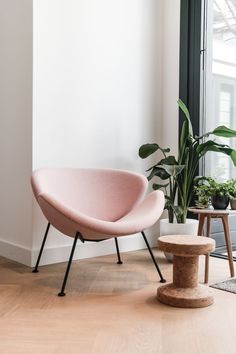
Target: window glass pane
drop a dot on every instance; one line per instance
(220, 83)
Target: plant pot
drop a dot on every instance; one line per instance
(201, 205)
(167, 228)
(220, 202)
(233, 204)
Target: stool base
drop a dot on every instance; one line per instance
(171, 295)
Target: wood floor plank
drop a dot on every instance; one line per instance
(110, 309)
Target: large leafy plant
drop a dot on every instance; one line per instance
(177, 173)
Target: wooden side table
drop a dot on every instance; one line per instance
(207, 215)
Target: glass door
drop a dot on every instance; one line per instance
(219, 91)
(220, 81)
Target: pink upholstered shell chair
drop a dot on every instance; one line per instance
(94, 205)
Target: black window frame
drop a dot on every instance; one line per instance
(190, 59)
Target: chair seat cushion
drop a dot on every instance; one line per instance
(69, 220)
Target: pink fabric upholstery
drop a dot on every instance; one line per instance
(99, 203)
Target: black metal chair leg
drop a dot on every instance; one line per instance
(154, 261)
(41, 249)
(118, 251)
(62, 293)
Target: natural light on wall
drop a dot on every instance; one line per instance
(220, 94)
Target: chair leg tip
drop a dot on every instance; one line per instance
(162, 281)
(61, 294)
(119, 262)
(35, 271)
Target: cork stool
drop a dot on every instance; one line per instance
(185, 290)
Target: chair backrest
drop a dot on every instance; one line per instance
(105, 194)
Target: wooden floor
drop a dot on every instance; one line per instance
(108, 309)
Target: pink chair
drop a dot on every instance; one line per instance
(94, 205)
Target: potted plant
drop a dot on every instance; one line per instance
(217, 192)
(202, 192)
(232, 192)
(177, 173)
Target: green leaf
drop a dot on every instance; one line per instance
(169, 203)
(225, 132)
(186, 135)
(183, 136)
(173, 170)
(164, 149)
(233, 157)
(170, 160)
(211, 145)
(167, 197)
(201, 179)
(147, 150)
(150, 168)
(184, 109)
(158, 172)
(156, 186)
(179, 212)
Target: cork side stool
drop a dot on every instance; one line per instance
(185, 291)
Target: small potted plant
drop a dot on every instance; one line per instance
(220, 194)
(202, 192)
(232, 192)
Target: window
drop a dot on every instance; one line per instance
(208, 82)
(219, 96)
(208, 73)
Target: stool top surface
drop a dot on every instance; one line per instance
(212, 211)
(186, 245)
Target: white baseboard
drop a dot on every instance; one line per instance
(15, 252)
(59, 254)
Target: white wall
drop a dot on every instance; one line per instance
(170, 76)
(105, 80)
(15, 128)
(170, 73)
(95, 95)
(97, 91)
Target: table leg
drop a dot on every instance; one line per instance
(208, 234)
(225, 221)
(201, 224)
